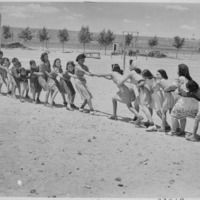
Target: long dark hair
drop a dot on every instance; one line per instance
(70, 63)
(116, 68)
(192, 86)
(163, 73)
(183, 70)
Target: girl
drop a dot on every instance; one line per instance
(169, 101)
(34, 84)
(66, 86)
(80, 82)
(194, 92)
(5, 74)
(52, 81)
(44, 69)
(156, 97)
(144, 97)
(15, 71)
(185, 106)
(124, 95)
(24, 87)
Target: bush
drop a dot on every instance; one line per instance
(13, 45)
(156, 54)
(133, 53)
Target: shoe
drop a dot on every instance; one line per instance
(193, 138)
(134, 119)
(113, 117)
(182, 133)
(92, 112)
(81, 109)
(69, 108)
(147, 124)
(170, 133)
(65, 103)
(37, 101)
(27, 97)
(151, 128)
(74, 107)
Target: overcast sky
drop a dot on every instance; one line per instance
(161, 19)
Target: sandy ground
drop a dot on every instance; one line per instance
(52, 152)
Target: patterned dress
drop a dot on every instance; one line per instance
(185, 106)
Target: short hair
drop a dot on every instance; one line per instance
(42, 56)
(137, 70)
(3, 60)
(15, 60)
(32, 62)
(116, 68)
(163, 73)
(147, 74)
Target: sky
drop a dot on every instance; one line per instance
(149, 19)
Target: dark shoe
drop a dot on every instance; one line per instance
(65, 103)
(27, 97)
(37, 101)
(74, 107)
(147, 124)
(135, 119)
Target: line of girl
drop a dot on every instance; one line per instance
(152, 93)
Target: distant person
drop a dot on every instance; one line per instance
(34, 84)
(81, 84)
(124, 94)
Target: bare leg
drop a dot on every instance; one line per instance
(84, 104)
(47, 96)
(114, 116)
(182, 125)
(53, 96)
(89, 101)
(175, 125)
(147, 114)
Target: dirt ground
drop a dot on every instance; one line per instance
(52, 152)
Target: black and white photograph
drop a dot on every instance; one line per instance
(100, 99)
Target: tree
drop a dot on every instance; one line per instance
(6, 32)
(84, 36)
(128, 39)
(106, 38)
(178, 44)
(153, 42)
(26, 34)
(63, 36)
(44, 36)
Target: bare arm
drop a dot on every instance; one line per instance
(107, 76)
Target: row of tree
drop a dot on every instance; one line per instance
(104, 38)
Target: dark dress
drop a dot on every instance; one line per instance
(34, 84)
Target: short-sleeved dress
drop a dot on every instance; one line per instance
(44, 67)
(81, 84)
(34, 84)
(185, 106)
